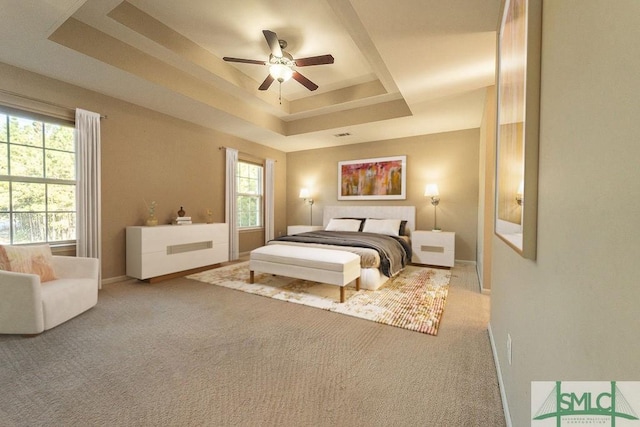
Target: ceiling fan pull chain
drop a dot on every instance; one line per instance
(280, 93)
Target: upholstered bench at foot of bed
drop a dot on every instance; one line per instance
(329, 266)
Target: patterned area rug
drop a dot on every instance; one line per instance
(413, 300)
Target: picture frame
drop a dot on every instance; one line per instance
(518, 125)
(381, 178)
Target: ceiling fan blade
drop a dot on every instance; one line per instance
(314, 60)
(245, 61)
(304, 81)
(266, 83)
(273, 42)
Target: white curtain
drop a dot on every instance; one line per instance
(231, 202)
(269, 228)
(88, 198)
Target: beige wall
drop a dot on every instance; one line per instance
(573, 313)
(149, 156)
(448, 159)
(486, 196)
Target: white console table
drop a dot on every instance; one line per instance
(433, 247)
(166, 249)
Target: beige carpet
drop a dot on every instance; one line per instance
(414, 299)
(185, 353)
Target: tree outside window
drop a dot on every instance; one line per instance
(37, 181)
(249, 195)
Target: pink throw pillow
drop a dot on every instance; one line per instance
(28, 259)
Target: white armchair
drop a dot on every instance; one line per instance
(30, 307)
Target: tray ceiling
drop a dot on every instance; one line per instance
(401, 68)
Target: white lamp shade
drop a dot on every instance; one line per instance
(280, 72)
(304, 193)
(520, 190)
(431, 190)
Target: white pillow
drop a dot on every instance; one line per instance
(390, 227)
(343, 225)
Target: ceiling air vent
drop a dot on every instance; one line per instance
(341, 135)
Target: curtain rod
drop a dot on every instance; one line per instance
(42, 101)
(222, 147)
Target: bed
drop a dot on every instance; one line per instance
(382, 256)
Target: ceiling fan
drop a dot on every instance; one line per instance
(281, 63)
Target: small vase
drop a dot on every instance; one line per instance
(181, 212)
(152, 221)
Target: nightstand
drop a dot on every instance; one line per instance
(297, 229)
(433, 247)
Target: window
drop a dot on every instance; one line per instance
(249, 193)
(37, 181)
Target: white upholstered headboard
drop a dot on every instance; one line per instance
(407, 213)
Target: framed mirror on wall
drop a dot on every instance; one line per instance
(518, 118)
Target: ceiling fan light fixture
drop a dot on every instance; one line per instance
(281, 63)
(280, 72)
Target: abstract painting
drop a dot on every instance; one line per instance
(383, 178)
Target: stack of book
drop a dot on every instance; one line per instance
(183, 220)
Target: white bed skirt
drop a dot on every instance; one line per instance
(371, 278)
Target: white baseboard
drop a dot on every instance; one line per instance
(115, 279)
(503, 394)
(483, 290)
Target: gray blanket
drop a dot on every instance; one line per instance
(394, 252)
